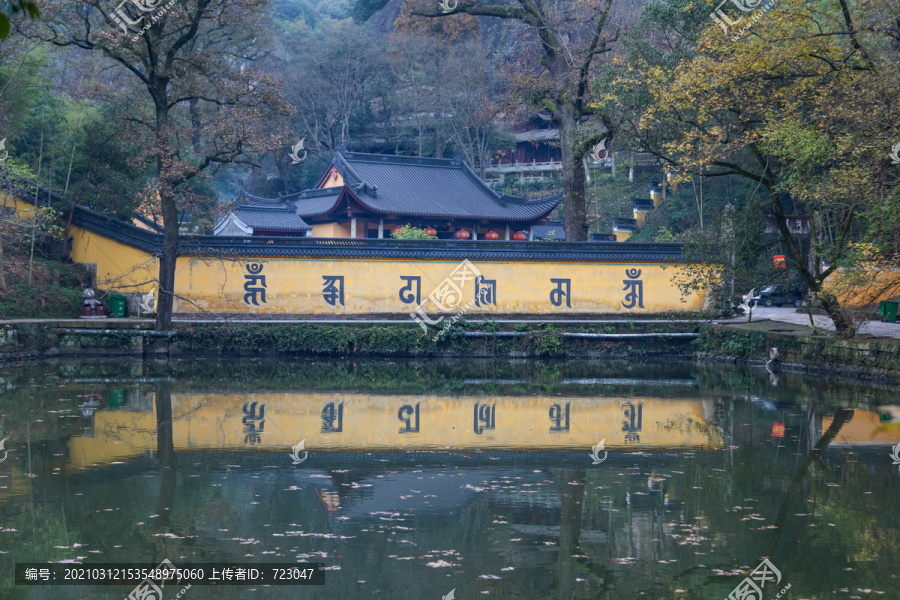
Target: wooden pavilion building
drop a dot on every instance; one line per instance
(369, 195)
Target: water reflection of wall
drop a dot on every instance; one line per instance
(353, 422)
(865, 427)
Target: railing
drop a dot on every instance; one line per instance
(534, 166)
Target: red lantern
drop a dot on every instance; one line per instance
(492, 235)
(396, 229)
(777, 429)
(461, 234)
(779, 261)
(519, 236)
(431, 231)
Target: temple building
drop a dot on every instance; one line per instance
(369, 195)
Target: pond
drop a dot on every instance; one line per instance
(451, 479)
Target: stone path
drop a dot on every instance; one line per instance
(789, 315)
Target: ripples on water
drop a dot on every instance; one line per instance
(422, 477)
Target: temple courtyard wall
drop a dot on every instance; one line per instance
(429, 278)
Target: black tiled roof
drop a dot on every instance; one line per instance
(418, 187)
(313, 203)
(273, 219)
(197, 245)
(208, 245)
(641, 204)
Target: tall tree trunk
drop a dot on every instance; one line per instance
(166, 291)
(2, 266)
(574, 209)
(166, 295)
(843, 324)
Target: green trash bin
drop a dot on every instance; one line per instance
(116, 398)
(117, 304)
(888, 310)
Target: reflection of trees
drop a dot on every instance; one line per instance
(165, 451)
(571, 484)
(841, 416)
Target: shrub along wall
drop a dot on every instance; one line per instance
(408, 340)
(253, 339)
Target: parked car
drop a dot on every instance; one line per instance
(778, 295)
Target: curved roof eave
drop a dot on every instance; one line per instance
(549, 199)
(333, 207)
(234, 219)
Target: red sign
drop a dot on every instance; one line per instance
(777, 429)
(779, 261)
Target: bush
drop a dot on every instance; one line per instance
(407, 232)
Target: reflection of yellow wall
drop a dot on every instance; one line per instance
(119, 267)
(863, 428)
(370, 422)
(16, 483)
(118, 435)
(331, 230)
(295, 285)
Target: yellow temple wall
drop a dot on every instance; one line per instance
(120, 267)
(23, 210)
(864, 288)
(297, 285)
(293, 285)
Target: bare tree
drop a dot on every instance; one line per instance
(190, 51)
(328, 81)
(570, 36)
